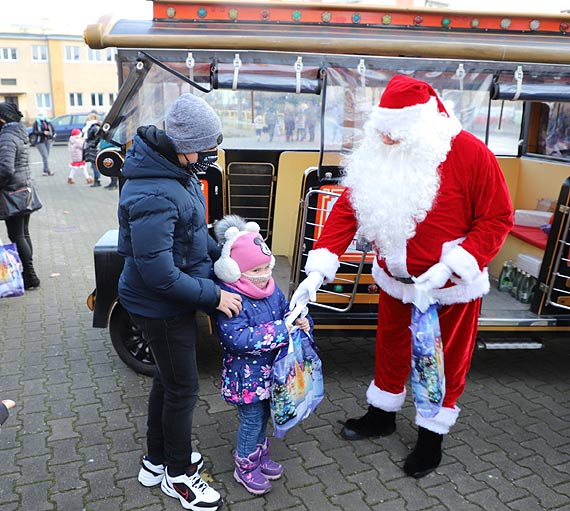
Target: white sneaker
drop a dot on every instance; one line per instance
(192, 491)
(151, 475)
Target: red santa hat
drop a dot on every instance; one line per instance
(404, 103)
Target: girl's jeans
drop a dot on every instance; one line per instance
(252, 429)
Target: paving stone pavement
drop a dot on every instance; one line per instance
(74, 440)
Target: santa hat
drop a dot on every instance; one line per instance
(75, 132)
(404, 103)
(243, 248)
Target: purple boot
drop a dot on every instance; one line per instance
(269, 468)
(248, 473)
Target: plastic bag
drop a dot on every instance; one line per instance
(296, 382)
(11, 278)
(428, 377)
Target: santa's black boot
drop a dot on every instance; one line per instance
(373, 423)
(426, 456)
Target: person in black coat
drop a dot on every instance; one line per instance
(14, 174)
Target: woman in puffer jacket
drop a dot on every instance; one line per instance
(14, 174)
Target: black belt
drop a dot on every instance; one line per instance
(404, 280)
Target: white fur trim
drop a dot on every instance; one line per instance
(390, 120)
(460, 293)
(441, 422)
(323, 261)
(385, 400)
(461, 262)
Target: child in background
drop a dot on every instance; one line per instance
(251, 341)
(76, 154)
(259, 124)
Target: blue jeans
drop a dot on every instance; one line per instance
(174, 391)
(252, 429)
(43, 148)
(96, 173)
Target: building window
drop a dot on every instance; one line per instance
(112, 97)
(8, 81)
(39, 53)
(43, 100)
(93, 55)
(8, 54)
(110, 54)
(75, 99)
(97, 99)
(72, 53)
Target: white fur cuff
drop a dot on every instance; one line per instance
(324, 262)
(384, 400)
(462, 263)
(441, 422)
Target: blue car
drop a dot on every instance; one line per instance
(63, 124)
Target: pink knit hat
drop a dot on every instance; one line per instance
(243, 248)
(249, 251)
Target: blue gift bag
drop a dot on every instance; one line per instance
(11, 278)
(428, 377)
(296, 382)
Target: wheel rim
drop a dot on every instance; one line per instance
(137, 346)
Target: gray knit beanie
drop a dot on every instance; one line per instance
(192, 125)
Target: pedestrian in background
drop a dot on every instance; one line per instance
(15, 174)
(44, 134)
(75, 145)
(90, 143)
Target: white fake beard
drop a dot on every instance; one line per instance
(393, 187)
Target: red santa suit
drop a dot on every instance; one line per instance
(462, 224)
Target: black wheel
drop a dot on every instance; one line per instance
(128, 342)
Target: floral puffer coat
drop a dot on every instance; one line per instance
(251, 342)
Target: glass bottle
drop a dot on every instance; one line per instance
(506, 277)
(523, 292)
(516, 281)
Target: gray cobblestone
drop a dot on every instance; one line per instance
(74, 440)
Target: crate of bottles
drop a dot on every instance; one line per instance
(518, 283)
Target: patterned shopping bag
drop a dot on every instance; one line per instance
(296, 382)
(428, 377)
(11, 279)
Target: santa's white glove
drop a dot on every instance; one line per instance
(307, 290)
(434, 278)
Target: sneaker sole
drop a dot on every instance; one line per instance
(250, 490)
(147, 479)
(171, 492)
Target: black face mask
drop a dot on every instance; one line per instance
(205, 159)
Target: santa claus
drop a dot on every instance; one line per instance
(435, 204)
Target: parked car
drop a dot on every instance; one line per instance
(63, 124)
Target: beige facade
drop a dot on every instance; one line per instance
(54, 73)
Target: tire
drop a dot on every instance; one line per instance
(129, 344)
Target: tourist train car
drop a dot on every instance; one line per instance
(294, 83)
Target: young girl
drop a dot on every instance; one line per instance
(251, 341)
(76, 154)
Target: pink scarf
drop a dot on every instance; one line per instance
(248, 288)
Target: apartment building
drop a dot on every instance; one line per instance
(57, 73)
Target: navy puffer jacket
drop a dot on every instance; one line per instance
(163, 233)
